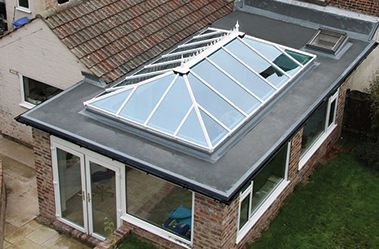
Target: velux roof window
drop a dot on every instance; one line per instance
(205, 89)
(327, 40)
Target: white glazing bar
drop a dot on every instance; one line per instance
(236, 81)
(106, 95)
(206, 35)
(136, 76)
(125, 101)
(163, 63)
(293, 59)
(248, 67)
(160, 100)
(265, 58)
(196, 107)
(214, 118)
(219, 94)
(199, 42)
(221, 30)
(188, 51)
(183, 120)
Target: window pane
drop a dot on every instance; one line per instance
(167, 118)
(23, 3)
(144, 99)
(331, 113)
(159, 203)
(104, 205)
(214, 104)
(244, 211)
(191, 130)
(302, 58)
(269, 177)
(215, 131)
(313, 127)
(112, 103)
(256, 62)
(70, 187)
(222, 83)
(243, 75)
(36, 92)
(276, 56)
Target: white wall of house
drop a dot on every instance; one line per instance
(36, 7)
(33, 51)
(366, 72)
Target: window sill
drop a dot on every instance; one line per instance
(261, 210)
(309, 153)
(157, 231)
(25, 10)
(26, 105)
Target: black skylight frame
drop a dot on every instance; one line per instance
(341, 38)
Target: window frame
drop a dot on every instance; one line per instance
(24, 103)
(22, 8)
(255, 215)
(328, 129)
(160, 231)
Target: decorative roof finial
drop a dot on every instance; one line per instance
(237, 27)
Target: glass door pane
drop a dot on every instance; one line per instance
(71, 193)
(103, 199)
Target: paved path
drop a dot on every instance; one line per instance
(22, 231)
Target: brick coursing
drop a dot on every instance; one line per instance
(215, 223)
(370, 7)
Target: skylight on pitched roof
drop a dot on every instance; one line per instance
(201, 97)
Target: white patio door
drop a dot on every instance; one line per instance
(87, 190)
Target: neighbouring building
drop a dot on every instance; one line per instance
(100, 38)
(199, 146)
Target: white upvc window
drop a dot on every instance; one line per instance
(23, 5)
(262, 191)
(318, 127)
(34, 92)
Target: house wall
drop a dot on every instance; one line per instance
(370, 7)
(215, 223)
(36, 7)
(33, 51)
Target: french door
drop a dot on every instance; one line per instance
(87, 190)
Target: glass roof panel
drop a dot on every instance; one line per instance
(226, 86)
(167, 118)
(275, 55)
(111, 103)
(191, 130)
(215, 131)
(144, 99)
(242, 74)
(257, 63)
(204, 98)
(214, 104)
(301, 58)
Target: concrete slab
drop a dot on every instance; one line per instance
(22, 231)
(16, 151)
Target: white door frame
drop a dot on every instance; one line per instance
(86, 156)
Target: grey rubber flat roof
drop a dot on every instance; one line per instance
(221, 179)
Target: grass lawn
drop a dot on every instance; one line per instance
(338, 208)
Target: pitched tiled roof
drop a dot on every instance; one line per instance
(113, 37)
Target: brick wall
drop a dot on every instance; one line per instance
(370, 7)
(44, 175)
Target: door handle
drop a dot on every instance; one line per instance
(81, 194)
(88, 197)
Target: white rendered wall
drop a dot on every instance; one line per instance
(33, 51)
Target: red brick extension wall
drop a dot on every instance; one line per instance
(215, 224)
(370, 7)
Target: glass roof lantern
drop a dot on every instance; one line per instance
(201, 92)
